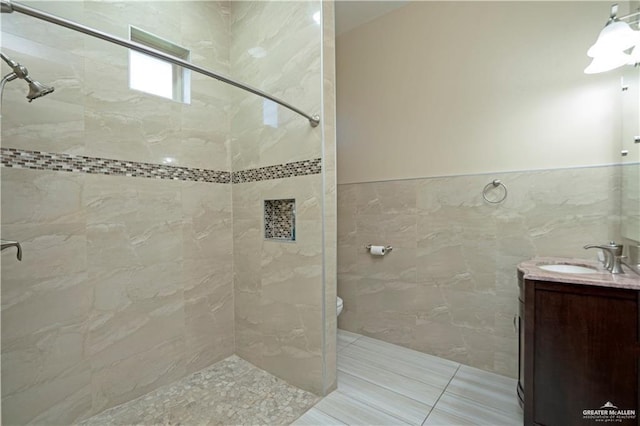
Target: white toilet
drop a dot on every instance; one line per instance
(339, 306)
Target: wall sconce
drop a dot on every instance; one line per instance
(617, 45)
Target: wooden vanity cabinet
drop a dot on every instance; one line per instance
(581, 351)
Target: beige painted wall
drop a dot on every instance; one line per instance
(447, 88)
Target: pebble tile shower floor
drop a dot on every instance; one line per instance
(230, 392)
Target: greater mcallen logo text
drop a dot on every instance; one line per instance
(608, 413)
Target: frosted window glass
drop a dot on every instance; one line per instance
(270, 113)
(150, 75)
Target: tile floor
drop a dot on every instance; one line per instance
(384, 384)
(378, 384)
(230, 392)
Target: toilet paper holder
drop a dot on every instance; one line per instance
(387, 248)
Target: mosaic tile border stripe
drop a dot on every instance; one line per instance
(279, 171)
(38, 160)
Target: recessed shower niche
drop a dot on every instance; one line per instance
(280, 219)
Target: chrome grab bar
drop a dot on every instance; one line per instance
(7, 244)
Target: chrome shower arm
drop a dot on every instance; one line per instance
(8, 60)
(19, 70)
(6, 6)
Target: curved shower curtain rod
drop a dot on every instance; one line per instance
(8, 6)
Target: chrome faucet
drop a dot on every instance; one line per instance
(613, 256)
(7, 244)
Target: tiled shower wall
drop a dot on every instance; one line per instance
(128, 282)
(278, 285)
(449, 285)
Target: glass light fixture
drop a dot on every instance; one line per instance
(616, 36)
(608, 62)
(635, 55)
(617, 45)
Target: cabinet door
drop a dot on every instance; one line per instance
(585, 352)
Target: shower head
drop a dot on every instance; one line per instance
(36, 89)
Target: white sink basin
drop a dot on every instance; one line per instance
(569, 269)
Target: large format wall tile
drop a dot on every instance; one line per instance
(135, 233)
(278, 292)
(131, 377)
(124, 287)
(276, 47)
(278, 286)
(449, 286)
(209, 317)
(207, 273)
(41, 197)
(45, 371)
(51, 123)
(126, 283)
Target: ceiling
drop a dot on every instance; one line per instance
(353, 13)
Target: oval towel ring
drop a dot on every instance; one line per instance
(494, 184)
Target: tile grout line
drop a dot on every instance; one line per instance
(323, 412)
(443, 391)
(386, 388)
(402, 374)
(373, 409)
(349, 344)
(404, 348)
(486, 407)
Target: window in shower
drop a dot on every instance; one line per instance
(270, 113)
(155, 76)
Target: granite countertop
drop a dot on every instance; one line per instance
(601, 277)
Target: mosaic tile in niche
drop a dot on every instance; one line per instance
(280, 219)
